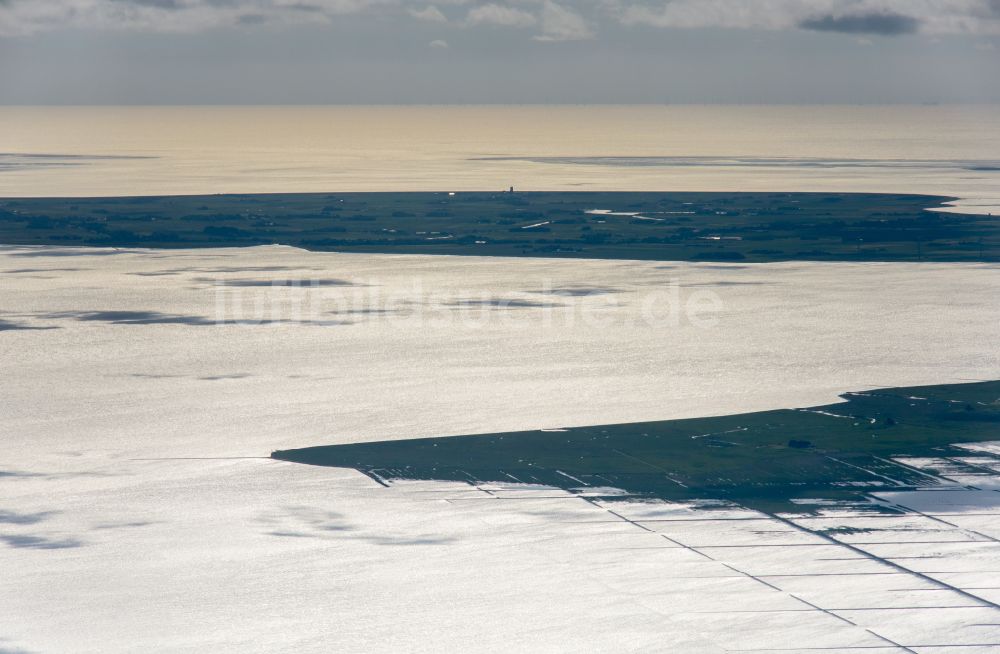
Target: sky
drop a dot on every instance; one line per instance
(501, 51)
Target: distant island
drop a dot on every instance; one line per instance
(666, 226)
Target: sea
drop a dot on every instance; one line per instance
(139, 508)
(149, 150)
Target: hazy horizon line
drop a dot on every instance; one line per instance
(504, 104)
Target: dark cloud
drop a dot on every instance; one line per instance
(239, 269)
(309, 522)
(501, 303)
(15, 518)
(124, 525)
(882, 24)
(251, 19)
(159, 318)
(709, 266)
(376, 51)
(220, 269)
(45, 251)
(8, 326)
(11, 517)
(4, 649)
(265, 283)
(237, 375)
(580, 291)
(365, 312)
(28, 541)
(17, 474)
(135, 318)
(157, 4)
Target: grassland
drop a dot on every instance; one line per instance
(751, 227)
(765, 460)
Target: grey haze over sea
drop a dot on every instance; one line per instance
(97, 151)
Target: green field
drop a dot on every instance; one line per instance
(763, 460)
(750, 227)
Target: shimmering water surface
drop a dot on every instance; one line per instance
(950, 150)
(140, 511)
